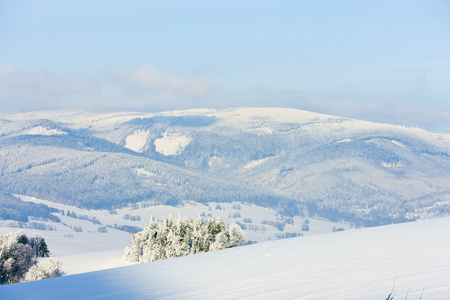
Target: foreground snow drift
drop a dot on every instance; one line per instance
(358, 264)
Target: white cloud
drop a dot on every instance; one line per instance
(140, 88)
(25, 83)
(145, 88)
(148, 77)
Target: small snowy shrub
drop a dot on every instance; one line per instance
(181, 237)
(18, 257)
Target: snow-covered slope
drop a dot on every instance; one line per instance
(297, 161)
(357, 264)
(88, 240)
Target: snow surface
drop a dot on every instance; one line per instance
(357, 264)
(137, 140)
(91, 250)
(261, 222)
(255, 163)
(171, 143)
(40, 130)
(392, 165)
(398, 143)
(142, 171)
(77, 119)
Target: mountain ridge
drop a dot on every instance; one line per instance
(300, 162)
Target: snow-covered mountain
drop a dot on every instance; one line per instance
(411, 260)
(299, 162)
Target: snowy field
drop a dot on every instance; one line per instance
(354, 264)
(91, 250)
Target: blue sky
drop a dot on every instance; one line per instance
(383, 61)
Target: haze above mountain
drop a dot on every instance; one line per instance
(299, 162)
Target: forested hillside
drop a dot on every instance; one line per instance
(298, 162)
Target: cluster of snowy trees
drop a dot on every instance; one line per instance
(18, 259)
(181, 237)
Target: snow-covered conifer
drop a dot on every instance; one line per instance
(215, 226)
(39, 245)
(199, 240)
(181, 237)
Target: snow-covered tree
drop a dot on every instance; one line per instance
(236, 235)
(199, 238)
(221, 241)
(44, 270)
(181, 237)
(215, 227)
(18, 256)
(39, 245)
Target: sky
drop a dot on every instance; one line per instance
(382, 61)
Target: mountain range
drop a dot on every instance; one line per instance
(298, 162)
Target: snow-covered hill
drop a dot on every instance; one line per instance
(89, 240)
(299, 162)
(357, 264)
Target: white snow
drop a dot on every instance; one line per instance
(392, 165)
(398, 143)
(137, 140)
(142, 171)
(78, 119)
(90, 250)
(171, 143)
(281, 115)
(261, 130)
(255, 163)
(343, 141)
(215, 161)
(243, 119)
(357, 264)
(40, 130)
